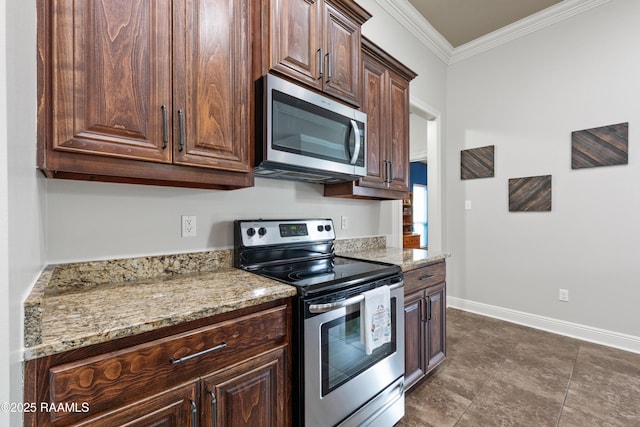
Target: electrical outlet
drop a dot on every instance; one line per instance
(344, 222)
(563, 295)
(188, 225)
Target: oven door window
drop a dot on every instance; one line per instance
(343, 353)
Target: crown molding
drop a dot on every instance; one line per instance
(407, 15)
(410, 18)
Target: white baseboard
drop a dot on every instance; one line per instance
(561, 327)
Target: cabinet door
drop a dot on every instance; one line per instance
(436, 333)
(248, 394)
(398, 147)
(176, 408)
(414, 338)
(374, 104)
(212, 84)
(341, 68)
(110, 78)
(296, 39)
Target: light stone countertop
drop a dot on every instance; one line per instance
(375, 249)
(80, 304)
(408, 259)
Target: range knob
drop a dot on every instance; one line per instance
(327, 227)
(251, 232)
(262, 231)
(320, 228)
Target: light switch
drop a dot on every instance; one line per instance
(467, 205)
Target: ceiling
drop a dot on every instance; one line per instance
(462, 21)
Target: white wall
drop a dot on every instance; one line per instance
(526, 97)
(89, 220)
(5, 348)
(25, 192)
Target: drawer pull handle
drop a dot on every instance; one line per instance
(427, 277)
(200, 353)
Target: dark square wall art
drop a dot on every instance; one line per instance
(477, 162)
(530, 194)
(602, 146)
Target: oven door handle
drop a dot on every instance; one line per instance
(323, 308)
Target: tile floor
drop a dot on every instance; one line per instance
(502, 374)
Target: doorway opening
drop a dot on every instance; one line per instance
(425, 147)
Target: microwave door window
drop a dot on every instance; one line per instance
(303, 128)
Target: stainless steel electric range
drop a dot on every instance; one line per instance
(337, 382)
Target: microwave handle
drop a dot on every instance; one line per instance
(356, 134)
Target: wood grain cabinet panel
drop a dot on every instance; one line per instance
(296, 35)
(425, 321)
(152, 92)
(385, 99)
(316, 43)
(249, 394)
(242, 360)
(212, 86)
(175, 407)
(414, 331)
(111, 74)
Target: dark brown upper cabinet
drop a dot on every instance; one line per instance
(316, 43)
(146, 92)
(385, 98)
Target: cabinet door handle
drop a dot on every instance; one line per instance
(427, 277)
(429, 309)
(387, 172)
(165, 127)
(214, 407)
(320, 68)
(328, 67)
(181, 129)
(198, 354)
(194, 414)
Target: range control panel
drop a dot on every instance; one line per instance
(277, 232)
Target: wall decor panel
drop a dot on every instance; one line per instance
(530, 194)
(602, 146)
(477, 162)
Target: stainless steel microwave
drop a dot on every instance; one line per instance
(305, 136)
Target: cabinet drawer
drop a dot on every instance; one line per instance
(424, 277)
(113, 378)
(411, 241)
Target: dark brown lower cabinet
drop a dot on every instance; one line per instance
(175, 407)
(227, 370)
(424, 321)
(248, 394)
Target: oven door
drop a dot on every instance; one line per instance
(340, 378)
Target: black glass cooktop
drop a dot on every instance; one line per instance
(331, 273)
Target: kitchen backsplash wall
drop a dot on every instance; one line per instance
(90, 220)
